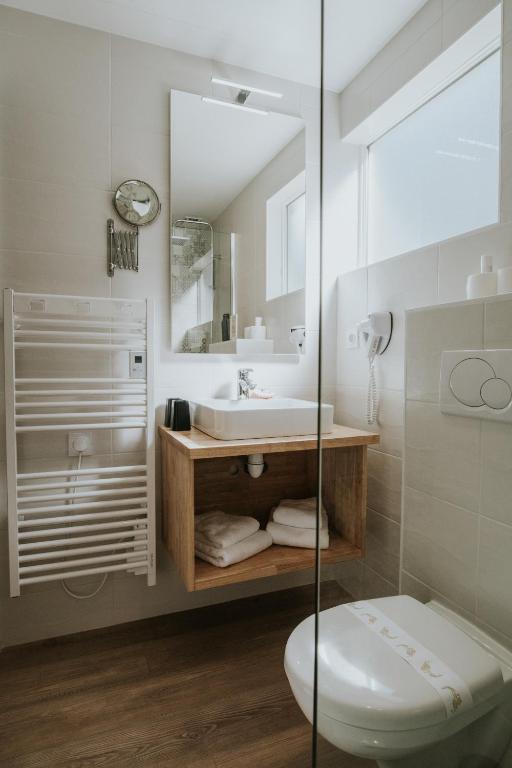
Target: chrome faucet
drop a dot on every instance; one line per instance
(245, 383)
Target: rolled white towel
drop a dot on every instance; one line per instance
(290, 536)
(222, 530)
(242, 550)
(299, 513)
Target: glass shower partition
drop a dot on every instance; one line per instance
(414, 188)
(201, 283)
(342, 455)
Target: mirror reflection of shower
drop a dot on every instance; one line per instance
(201, 283)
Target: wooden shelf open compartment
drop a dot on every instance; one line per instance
(200, 474)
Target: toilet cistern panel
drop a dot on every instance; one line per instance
(477, 384)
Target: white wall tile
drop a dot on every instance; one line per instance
(49, 218)
(395, 285)
(385, 484)
(382, 546)
(412, 586)
(51, 273)
(359, 580)
(403, 282)
(496, 501)
(41, 146)
(495, 575)
(374, 585)
(442, 455)
(440, 546)
(33, 49)
(351, 407)
(143, 75)
(498, 324)
(141, 154)
(351, 404)
(390, 422)
(431, 331)
(352, 309)
(409, 585)
(349, 575)
(460, 257)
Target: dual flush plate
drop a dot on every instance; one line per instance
(477, 384)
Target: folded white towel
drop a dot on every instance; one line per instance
(290, 536)
(222, 530)
(299, 513)
(248, 547)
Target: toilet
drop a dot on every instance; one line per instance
(406, 684)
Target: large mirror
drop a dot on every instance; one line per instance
(238, 245)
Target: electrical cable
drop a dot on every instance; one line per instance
(104, 578)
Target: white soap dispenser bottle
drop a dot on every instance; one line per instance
(256, 331)
(484, 283)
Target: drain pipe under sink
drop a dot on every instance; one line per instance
(255, 465)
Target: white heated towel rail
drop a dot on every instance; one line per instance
(66, 521)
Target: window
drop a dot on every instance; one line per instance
(286, 238)
(436, 174)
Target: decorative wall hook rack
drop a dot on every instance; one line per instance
(137, 203)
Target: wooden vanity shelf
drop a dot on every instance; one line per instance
(200, 474)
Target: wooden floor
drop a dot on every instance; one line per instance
(201, 689)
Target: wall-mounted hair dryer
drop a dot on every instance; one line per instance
(376, 332)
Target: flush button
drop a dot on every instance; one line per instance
(496, 393)
(466, 380)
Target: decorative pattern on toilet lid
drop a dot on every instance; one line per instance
(453, 691)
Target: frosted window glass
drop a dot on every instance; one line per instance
(296, 245)
(436, 174)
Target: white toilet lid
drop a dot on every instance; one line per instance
(363, 682)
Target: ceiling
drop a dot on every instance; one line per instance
(277, 37)
(210, 168)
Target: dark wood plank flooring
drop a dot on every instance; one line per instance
(200, 689)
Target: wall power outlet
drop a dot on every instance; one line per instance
(351, 338)
(80, 442)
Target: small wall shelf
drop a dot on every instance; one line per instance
(200, 473)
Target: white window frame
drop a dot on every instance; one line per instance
(470, 50)
(277, 207)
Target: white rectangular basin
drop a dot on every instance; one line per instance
(247, 419)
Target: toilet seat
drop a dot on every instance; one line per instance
(364, 684)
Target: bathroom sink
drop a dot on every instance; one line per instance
(246, 419)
